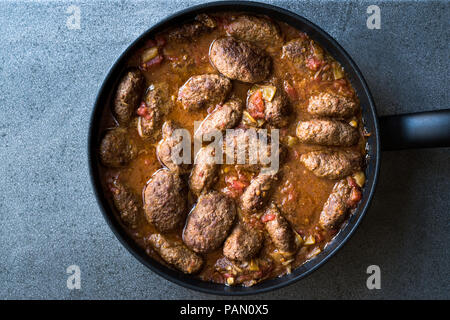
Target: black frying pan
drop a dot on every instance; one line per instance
(428, 129)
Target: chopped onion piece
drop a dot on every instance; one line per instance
(268, 92)
(314, 252)
(139, 128)
(291, 141)
(230, 281)
(338, 72)
(310, 240)
(248, 119)
(149, 54)
(360, 178)
(253, 265)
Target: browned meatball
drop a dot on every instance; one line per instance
(188, 31)
(204, 90)
(127, 203)
(240, 60)
(128, 95)
(255, 29)
(223, 117)
(250, 152)
(157, 105)
(332, 105)
(338, 203)
(295, 50)
(209, 223)
(257, 193)
(243, 243)
(276, 110)
(332, 164)
(175, 253)
(169, 150)
(117, 149)
(327, 133)
(165, 201)
(304, 53)
(204, 173)
(279, 230)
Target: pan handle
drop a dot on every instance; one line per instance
(416, 130)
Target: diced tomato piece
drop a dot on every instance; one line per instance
(267, 217)
(238, 185)
(352, 183)
(290, 91)
(256, 105)
(313, 63)
(153, 62)
(355, 197)
(142, 110)
(235, 186)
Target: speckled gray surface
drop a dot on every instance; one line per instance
(50, 219)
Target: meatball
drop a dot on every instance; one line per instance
(255, 29)
(275, 109)
(327, 133)
(332, 164)
(157, 105)
(295, 50)
(332, 105)
(250, 152)
(223, 117)
(209, 223)
(165, 201)
(304, 53)
(117, 149)
(205, 170)
(127, 203)
(175, 253)
(256, 194)
(188, 31)
(240, 60)
(204, 90)
(243, 243)
(128, 95)
(343, 196)
(169, 150)
(279, 230)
